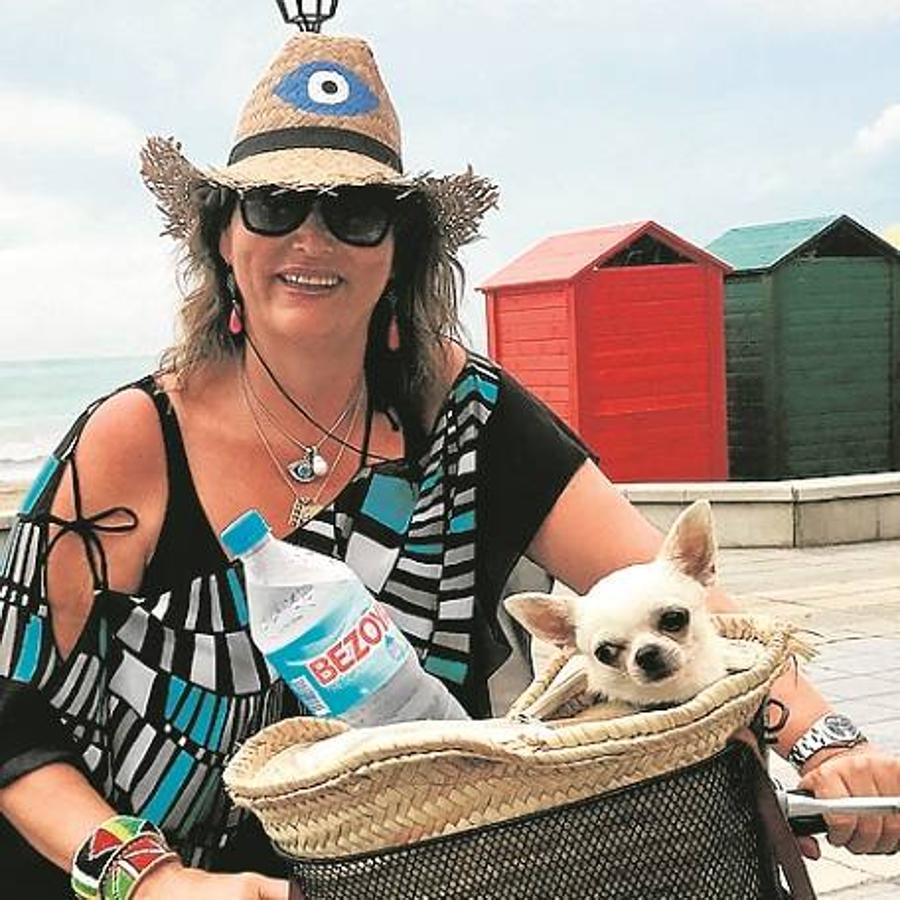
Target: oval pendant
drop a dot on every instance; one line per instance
(320, 464)
(309, 468)
(302, 470)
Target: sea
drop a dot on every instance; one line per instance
(40, 398)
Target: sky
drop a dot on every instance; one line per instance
(699, 114)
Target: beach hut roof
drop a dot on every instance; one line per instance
(563, 257)
(758, 248)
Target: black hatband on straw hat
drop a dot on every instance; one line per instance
(321, 137)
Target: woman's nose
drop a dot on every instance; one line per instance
(312, 233)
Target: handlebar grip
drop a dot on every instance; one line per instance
(806, 826)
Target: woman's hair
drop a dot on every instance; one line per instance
(426, 286)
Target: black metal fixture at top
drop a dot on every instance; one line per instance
(307, 15)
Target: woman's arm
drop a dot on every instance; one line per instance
(54, 807)
(593, 530)
(120, 462)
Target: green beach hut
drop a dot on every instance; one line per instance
(812, 342)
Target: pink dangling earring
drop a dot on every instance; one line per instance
(235, 325)
(235, 322)
(393, 336)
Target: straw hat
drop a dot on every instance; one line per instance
(319, 117)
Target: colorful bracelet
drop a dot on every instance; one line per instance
(129, 866)
(125, 847)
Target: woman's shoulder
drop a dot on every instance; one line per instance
(120, 452)
(452, 360)
(122, 421)
(456, 363)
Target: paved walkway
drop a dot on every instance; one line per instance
(850, 597)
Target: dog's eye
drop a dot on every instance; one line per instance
(674, 620)
(607, 653)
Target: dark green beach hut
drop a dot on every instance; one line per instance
(812, 335)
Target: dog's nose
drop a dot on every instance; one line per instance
(652, 661)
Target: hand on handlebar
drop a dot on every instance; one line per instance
(862, 771)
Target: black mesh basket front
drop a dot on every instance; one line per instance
(689, 834)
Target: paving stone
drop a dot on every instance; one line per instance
(888, 890)
(827, 875)
(873, 663)
(874, 865)
(866, 711)
(886, 735)
(891, 698)
(840, 686)
(878, 590)
(880, 653)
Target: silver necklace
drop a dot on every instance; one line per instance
(303, 508)
(312, 464)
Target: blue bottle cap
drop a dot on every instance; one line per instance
(245, 533)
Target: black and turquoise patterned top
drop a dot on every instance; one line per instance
(162, 686)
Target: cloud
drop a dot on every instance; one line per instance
(812, 15)
(64, 125)
(73, 211)
(892, 234)
(882, 135)
(97, 295)
(23, 213)
(653, 14)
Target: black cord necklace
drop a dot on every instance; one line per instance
(309, 418)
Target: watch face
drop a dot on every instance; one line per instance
(840, 727)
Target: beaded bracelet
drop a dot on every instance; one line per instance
(129, 866)
(115, 856)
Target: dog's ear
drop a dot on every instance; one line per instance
(690, 544)
(547, 617)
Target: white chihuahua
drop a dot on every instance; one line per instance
(644, 630)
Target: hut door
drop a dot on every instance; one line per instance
(645, 372)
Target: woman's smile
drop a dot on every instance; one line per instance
(306, 281)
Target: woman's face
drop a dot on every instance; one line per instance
(306, 284)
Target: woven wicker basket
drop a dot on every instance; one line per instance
(367, 790)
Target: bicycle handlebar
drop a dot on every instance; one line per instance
(806, 812)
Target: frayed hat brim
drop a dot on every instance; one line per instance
(457, 203)
(320, 167)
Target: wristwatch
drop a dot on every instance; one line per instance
(831, 730)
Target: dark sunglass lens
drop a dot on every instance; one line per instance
(360, 215)
(275, 212)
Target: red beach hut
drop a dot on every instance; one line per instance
(620, 331)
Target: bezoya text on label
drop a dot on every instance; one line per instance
(348, 651)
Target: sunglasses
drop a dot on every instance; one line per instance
(361, 216)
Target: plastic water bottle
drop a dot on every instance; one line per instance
(327, 637)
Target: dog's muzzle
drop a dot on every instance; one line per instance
(653, 662)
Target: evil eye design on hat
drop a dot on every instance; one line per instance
(326, 88)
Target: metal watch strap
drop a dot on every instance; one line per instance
(830, 730)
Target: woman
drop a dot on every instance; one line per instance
(315, 381)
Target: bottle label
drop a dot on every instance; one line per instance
(340, 673)
(349, 651)
(308, 696)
